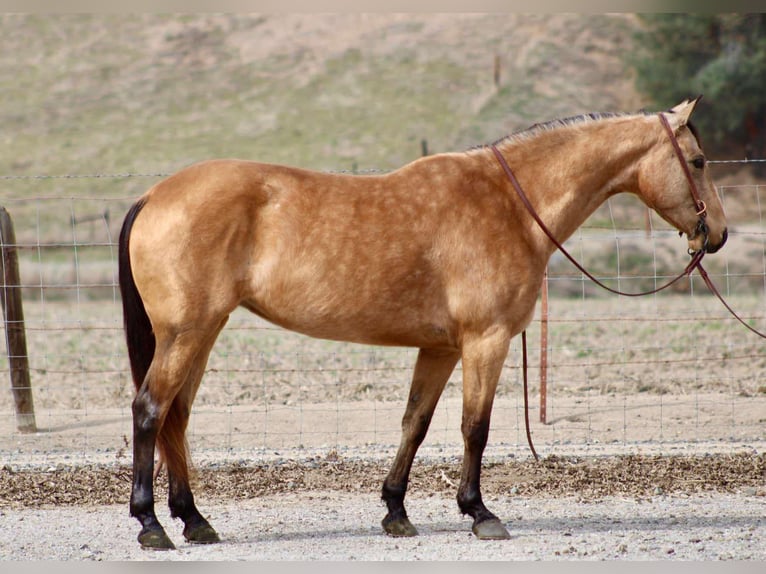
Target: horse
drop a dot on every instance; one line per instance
(439, 254)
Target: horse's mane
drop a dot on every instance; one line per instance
(555, 124)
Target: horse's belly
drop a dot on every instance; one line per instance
(355, 312)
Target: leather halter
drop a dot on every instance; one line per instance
(701, 207)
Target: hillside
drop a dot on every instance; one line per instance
(108, 93)
(149, 94)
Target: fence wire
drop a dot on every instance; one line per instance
(670, 371)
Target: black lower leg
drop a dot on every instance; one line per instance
(152, 534)
(485, 524)
(393, 496)
(469, 494)
(181, 502)
(396, 522)
(470, 502)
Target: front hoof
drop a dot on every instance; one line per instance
(491, 529)
(399, 527)
(155, 539)
(201, 534)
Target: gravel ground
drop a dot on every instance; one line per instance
(699, 507)
(345, 526)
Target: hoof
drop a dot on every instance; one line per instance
(155, 539)
(399, 527)
(201, 534)
(491, 529)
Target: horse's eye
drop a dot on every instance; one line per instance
(698, 162)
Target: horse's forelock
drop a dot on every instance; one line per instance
(695, 133)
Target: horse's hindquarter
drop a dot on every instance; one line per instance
(187, 244)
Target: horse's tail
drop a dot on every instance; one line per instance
(171, 438)
(138, 329)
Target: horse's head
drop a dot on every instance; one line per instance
(673, 179)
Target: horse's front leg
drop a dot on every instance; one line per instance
(432, 371)
(483, 359)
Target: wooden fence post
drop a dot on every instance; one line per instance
(15, 335)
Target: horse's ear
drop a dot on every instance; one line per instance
(680, 114)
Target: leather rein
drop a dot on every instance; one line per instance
(695, 263)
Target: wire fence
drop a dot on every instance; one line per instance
(669, 371)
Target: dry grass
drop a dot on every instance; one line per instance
(584, 478)
(673, 344)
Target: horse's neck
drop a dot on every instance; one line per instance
(567, 175)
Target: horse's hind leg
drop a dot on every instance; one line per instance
(432, 371)
(482, 364)
(173, 359)
(197, 529)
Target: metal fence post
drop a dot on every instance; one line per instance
(15, 335)
(544, 350)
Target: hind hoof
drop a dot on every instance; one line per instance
(155, 539)
(491, 529)
(201, 534)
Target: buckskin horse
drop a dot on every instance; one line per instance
(440, 254)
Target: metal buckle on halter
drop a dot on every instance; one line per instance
(703, 229)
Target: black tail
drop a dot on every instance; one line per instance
(138, 328)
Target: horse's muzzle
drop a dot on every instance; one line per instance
(703, 231)
(709, 248)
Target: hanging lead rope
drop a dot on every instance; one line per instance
(526, 393)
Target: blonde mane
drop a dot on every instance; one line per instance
(543, 127)
(552, 125)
